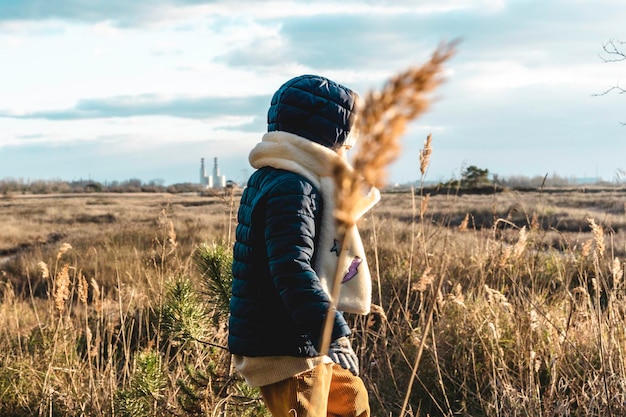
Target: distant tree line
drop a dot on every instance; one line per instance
(475, 177)
(476, 180)
(538, 181)
(471, 178)
(10, 186)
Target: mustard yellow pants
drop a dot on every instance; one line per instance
(327, 390)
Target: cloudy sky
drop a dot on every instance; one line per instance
(117, 89)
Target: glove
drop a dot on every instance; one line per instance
(341, 353)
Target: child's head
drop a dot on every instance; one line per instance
(315, 108)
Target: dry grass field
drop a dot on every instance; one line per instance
(508, 304)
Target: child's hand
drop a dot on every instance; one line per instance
(342, 354)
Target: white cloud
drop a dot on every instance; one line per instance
(166, 48)
(500, 76)
(14, 41)
(107, 30)
(134, 131)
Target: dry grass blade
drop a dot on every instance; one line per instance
(617, 271)
(381, 122)
(424, 205)
(96, 295)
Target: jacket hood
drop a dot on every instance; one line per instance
(314, 108)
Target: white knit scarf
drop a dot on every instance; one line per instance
(293, 153)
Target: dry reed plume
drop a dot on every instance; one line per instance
(598, 237)
(381, 122)
(83, 289)
(425, 154)
(63, 250)
(43, 268)
(62, 288)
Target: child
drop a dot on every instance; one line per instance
(286, 254)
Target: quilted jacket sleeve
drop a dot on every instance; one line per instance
(292, 207)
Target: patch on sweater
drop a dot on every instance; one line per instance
(353, 269)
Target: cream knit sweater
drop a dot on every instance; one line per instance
(313, 161)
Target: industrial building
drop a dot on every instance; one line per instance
(211, 181)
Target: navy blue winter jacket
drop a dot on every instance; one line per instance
(278, 306)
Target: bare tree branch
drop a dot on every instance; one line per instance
(617, 88)
(614, 48)
(616, 52)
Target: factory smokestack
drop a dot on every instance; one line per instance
(214, 180)
(218, 180)
(216, 170)
(202, 172)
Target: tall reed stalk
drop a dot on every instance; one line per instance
(381, 122)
